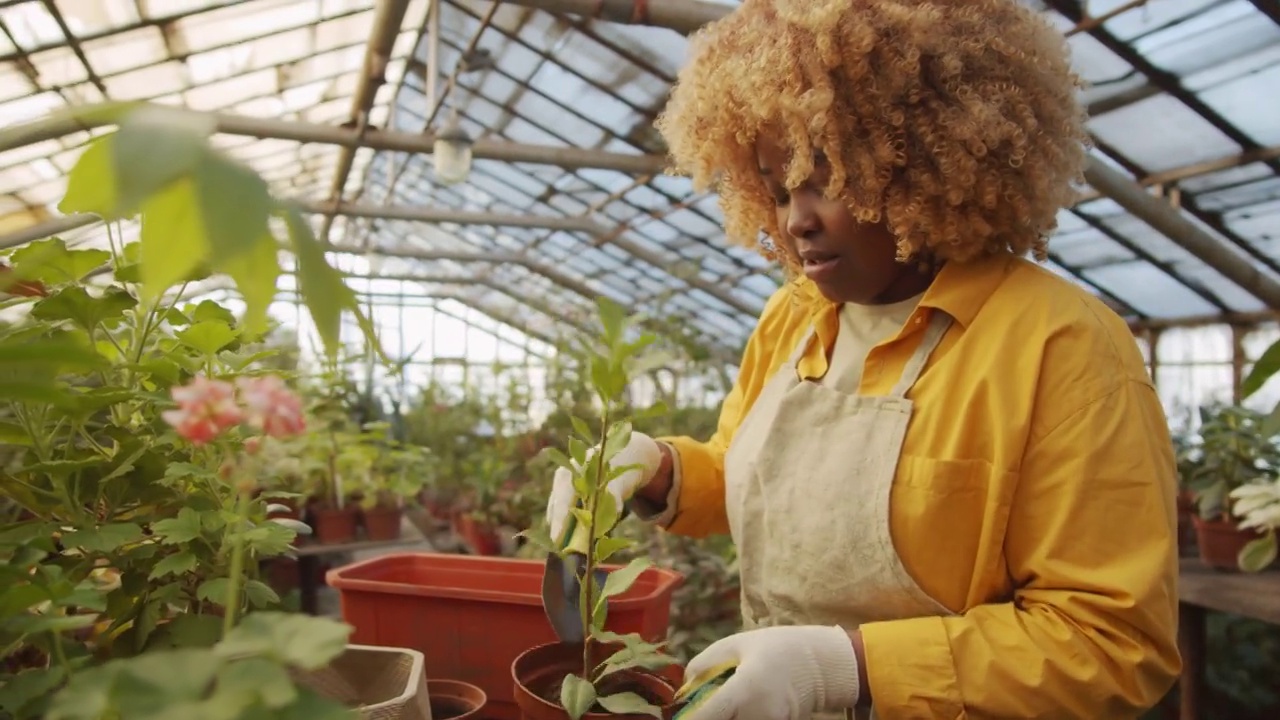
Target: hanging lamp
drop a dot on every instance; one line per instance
(452, 152)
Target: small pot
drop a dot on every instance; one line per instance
(1221, 541)
(454, 700)
(478, 536)
(332, 526)
(382, 522)
(539, 671)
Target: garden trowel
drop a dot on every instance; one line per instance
(562, 581)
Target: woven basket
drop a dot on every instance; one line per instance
(381, 683)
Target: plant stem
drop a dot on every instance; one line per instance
(237, 565)
(588, 580)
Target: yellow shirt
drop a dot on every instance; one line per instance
(1035, 496)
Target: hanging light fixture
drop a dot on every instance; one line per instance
(452, 152)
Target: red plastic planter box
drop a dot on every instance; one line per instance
(471, 616)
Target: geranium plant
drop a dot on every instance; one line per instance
(126, 561)
(596, 512)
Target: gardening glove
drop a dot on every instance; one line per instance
(641, 451)
(775, 672)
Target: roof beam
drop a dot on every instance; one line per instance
(572, 224)
(387, 18)
(570, 158)
(680, 15)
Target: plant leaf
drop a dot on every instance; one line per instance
(1266, 366)
(50, 261)
(176, 564)
(154, 147)
(91, 185)
(628, 703)
(181, 529)
(207, 336)
(255, 273)
(620, 580)
(1258, 554)
(260, 594)
(104, 538)
(577, 696)
(607, 546)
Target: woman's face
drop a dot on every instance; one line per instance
(849, 261)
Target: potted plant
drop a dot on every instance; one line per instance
(1257, 505)
(608, 673)
(1231, 449)
(129, 536)
(474, 616)
(397, 472)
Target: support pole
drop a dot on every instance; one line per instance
(1165, 219)
(570, 158)
(387, 18)
(683, 16)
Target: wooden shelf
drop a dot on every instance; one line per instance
(1252, 595)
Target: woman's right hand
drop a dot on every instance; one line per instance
(652, 462)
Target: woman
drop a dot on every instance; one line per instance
(946, 470)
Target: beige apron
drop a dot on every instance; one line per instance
(807, 481)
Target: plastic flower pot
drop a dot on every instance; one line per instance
(332, 526)
(381, 683)
(382, 522)
(539, 672)
(472, 616)
(477, 535)
(455, 700)
(1220, 542)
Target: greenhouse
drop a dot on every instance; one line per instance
(405, 359)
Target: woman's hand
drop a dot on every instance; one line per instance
(782, 672)
(643, 452)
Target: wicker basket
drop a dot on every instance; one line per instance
(382, 683)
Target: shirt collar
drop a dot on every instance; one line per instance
(960, 290)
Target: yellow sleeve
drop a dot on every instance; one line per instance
(700, 507)
(1091, 548)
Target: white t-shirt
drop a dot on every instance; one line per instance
(862, 327)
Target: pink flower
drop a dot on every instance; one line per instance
(205, 408)
(273, 407)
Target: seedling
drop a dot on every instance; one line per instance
(595, 514)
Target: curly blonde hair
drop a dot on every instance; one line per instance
(955, 123)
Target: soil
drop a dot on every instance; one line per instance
(444, 708)
(619, 682)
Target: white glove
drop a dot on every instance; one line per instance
(787, 672)
(641, 451)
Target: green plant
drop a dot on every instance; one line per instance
(1231, 449)
(595, 516)
(127, 562)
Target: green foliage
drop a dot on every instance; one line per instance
(121, 539)
(1231, 449)
(201, 211)
(244, 675)
(595, 516)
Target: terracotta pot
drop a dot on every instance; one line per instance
(473, 616)
(477, 535)
(1221, 541)
(454, 699)
(282, 574)
(382, 522)
(539, 671)
(333, 526)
